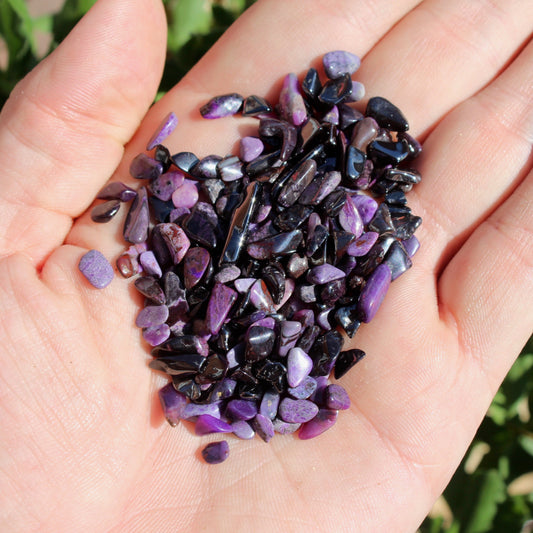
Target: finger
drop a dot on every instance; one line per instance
(475, 158)
(63, 130)
(487, 289)
(442, 53)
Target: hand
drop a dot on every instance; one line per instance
(83, 444)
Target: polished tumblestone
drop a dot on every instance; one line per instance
(222, 106)
(144, 167)
(299, 365)
(137, 219)
(304, 390)
(164, 185)
(173, 403)
(149, 287)
(324, 274)
(106, 211)
(324, 419)
(386, 114)
(250, 148)
(336, 397)
(206, 424)
(340, 62)
(152, 315)
(263, 427)
(195, 264)
(291, 102)
(167, 126)
(216, 452)
(259, 343)
(269, 404)
(117, 191)
(242, 429)
(96, 268)
(346, 361)
(373, 292)
(221, 300)
(297, 411)
(241, 409)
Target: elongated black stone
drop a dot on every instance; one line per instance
(405, 176)
(334, 202)
(347, 360)
(382, 221)
(297, 183)
(137, 220)
(183, 344)
(106, 211)
(177, 363)
(185, 161)
(293, 217)
(198, 226)
(240, 221)
(396, 197)
(274, 373)
(162, 155)
(263, 165)
(354, 164)
(405, 225)
(398, 259)
(325, 351)
(189, 387)
(148, 286)
(386, 152)
(386, 114)
(346, 317)
(280, 244)
(259, 343)
(311, 86)
(308, 338)
(274, 277)
(316, 239)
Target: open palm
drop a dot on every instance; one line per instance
(83, 443)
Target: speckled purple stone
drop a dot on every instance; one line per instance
(350, 219)
(340, 62)
(269, 404)
(284, 428)
(324, 419)
(366, 206)
(144, 167)
(220, 302)
(173, 403)
(297, 411)
(152, 315)
(291, 101)
(167, 126)
(155, 335)
(96, 268)
(216, 452)
(263, 427)
(304, 390)
(164, 185)
(193, 410)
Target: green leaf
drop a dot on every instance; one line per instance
(25, 23)
(187, 18)
(526, 442)
(491, 493)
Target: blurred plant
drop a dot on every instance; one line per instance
(492, 490)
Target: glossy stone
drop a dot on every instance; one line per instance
(388, 152)
(340, 62)
(250, 148)
(299, 364)
(116, 191)
(260, 297)
(165, 184)
(222, 106)
(304, 390)
(332, 116)
(363, 244)
(330, 292)
(186, 195)
(172, 403)
(347, 318)
(297, 266)
(228, 274)
(290, 331)
(152, 315)
(144, 167)
(350, 219)
(137, 219)
(297, 183)
(263, 427)
(128, 262)
(346, 360)
(274, 278)
(150, 264)
(213, 369)
(292, 106)
(404, 176)
(325, 351)
(405, 225)
(373, 292)
(150, 288)
(185, 161)
(365, 131)
(259, 343)
(281, 244)
(96, 269)
(397, 259)
(176, 364)
(297, 411)
(411, 245)
(337, 397)
(324, 420)
(324, 274)
(193, 410)
(221, 300)
(106, 211)
(155, 335)
(334, 202)
(269, 404)
(284, 428)
(183, 344)
(200, 225)
(381, 221)
(206, 424)
(271, 127)
(242, 429)
(386, 114)
(216, 452)
(206, 168)
(175, 240)
(167, 126)
(195, 264)
(241, 409)
(255, 105)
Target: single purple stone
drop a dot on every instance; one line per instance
(299, 365)
(291, 101)
(128, 262)
(339, 62)
(155, 335)
(206, 424)
(173, 403)
(263, 427)
(373, 292)
(138, 219)
(366, 206)
(96, 268)
(195, 263)
(224, 389)
(297, 411)
(164, 185)
(250, 148)
(242, 430)
(266, 322)
(220, 302)
(186, 195)
(358, 92)
(230, 169)
(144, 167)
(227, 274)
(222, 106)
(290, 331)
(243, 284)
(260, 297)
(363, 244)
(284, 428)
(106, 211)
(152, 315)
(324, 274)
(193, 410)
(269, 404)
(117, 191)
(337, 397)
(322, 319)
(315, 427)
(150, 264)
(216, 452)
(175, 239)
(411, 245)
(241, 409)
(167, 126)
(304, 390)
(350, 219)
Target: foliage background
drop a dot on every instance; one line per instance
(492, 490)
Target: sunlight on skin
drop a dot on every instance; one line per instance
(84, 445)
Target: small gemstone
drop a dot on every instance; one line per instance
(152, 315)
(291, 102)
(299, 365)
(186, 195)
(284, 428)
(173, 403)
(386, 114)
(363, 244)
(193, 410)
(347, 360)
(324, 274)
(339, 62)
(216, 452)
(106, 211)
(350, 219)
(149, 287)
(269, 404)
(185, 161)
(195, 264)
(242, 429)
(263, 427)
(297, 411)
(364, 132)
(337, 397)
(259, 343)
(250, 148)
(175, 239)
(255, 105)
(167, 126)
(150, 264)
(206, 424)
(325, 419)
(144, 167)
(221, 300)
(373, 292)
(336, 91)
(241, 409)
(155, 335)
(117, 191)
(164, 185)
(138, 219)
(96, 268)
(304, 390)
(222, 106)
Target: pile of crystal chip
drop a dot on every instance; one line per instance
(256, 268)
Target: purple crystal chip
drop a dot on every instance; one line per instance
(222, 106)
(173, 403)
(216, 452)
(96, 268)
(167, 126)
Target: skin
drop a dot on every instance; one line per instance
(83, 443)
